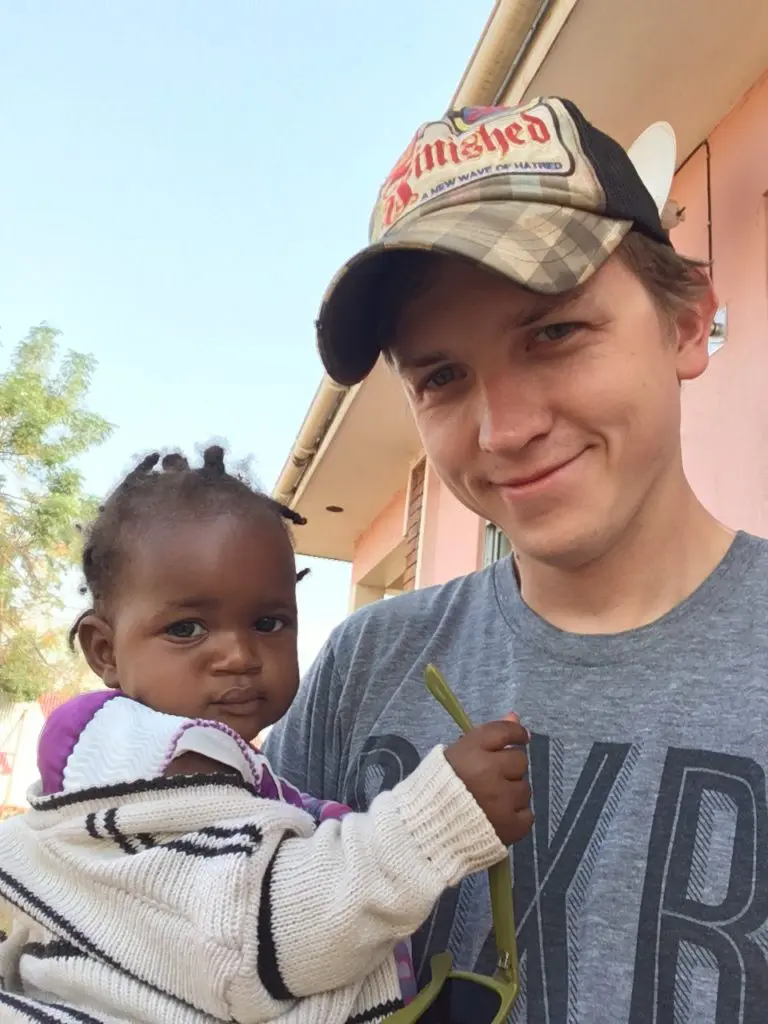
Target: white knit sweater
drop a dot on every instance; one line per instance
(185, 900)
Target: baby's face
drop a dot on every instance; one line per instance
(204, 621)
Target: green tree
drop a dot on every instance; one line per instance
(44, 428)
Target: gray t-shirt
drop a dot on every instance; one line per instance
(641, 894)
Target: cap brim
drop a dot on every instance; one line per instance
(546, 249)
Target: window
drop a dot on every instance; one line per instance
(718, 332)
(496, 545)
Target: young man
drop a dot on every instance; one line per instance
(521, 285)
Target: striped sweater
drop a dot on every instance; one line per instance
(195, 900)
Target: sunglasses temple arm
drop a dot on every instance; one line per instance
(502, 903)
(503, 913)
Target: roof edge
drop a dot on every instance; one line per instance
(503, 42)
(322, 413)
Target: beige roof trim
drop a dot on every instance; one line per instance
(533, 56)
(506, 38)
(320, 416)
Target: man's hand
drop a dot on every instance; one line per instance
(491, 764)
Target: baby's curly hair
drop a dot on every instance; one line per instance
(146, 495)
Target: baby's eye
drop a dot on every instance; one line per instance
(269, 624)
(186, 629)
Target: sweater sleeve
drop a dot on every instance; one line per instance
(332, 906)
(204, 873)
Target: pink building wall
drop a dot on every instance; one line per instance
(725, 412)
(451, 536)
(381, 537)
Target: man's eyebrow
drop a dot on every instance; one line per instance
(419, 361)
(542, 305)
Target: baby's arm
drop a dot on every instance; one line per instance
(284, 911)
(333, 905)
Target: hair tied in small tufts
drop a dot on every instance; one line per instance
(174, 462)
(213, 460)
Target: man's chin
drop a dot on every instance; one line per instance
(566, 544)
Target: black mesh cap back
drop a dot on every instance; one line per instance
(626, 196)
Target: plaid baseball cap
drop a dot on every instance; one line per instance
(533, 192)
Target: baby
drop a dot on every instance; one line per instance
(163, 874)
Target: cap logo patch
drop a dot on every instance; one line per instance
(470, 144)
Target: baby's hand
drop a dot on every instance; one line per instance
(490, 763)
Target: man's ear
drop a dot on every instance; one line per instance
(693, 325)
(96, 639)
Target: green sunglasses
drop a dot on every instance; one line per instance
(461, 997)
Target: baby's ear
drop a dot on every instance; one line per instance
(97, 643)
(300, 575)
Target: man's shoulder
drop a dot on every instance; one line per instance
(412, 620)
(747, 565)
(758, 546)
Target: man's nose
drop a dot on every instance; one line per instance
(238, 654)
(512, 411)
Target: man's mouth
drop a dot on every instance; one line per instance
(537, 480)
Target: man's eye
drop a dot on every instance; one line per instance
(269, 624)
(439, 378)
(556, 332)
(187, 629)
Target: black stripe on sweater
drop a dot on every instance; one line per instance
(245, 839)
(172, 783)
(42, 1013)
(377, 1012)
(57, 949)
(252, 832)
(78, 1015)
(110, 826)
(144, 839)
(266, 961)
(19, 896)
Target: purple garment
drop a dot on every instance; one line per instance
(62, 731)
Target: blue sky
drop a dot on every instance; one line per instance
(180, 181)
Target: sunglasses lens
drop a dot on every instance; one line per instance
(463, 1002)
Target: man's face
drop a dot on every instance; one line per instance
(557, 419)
